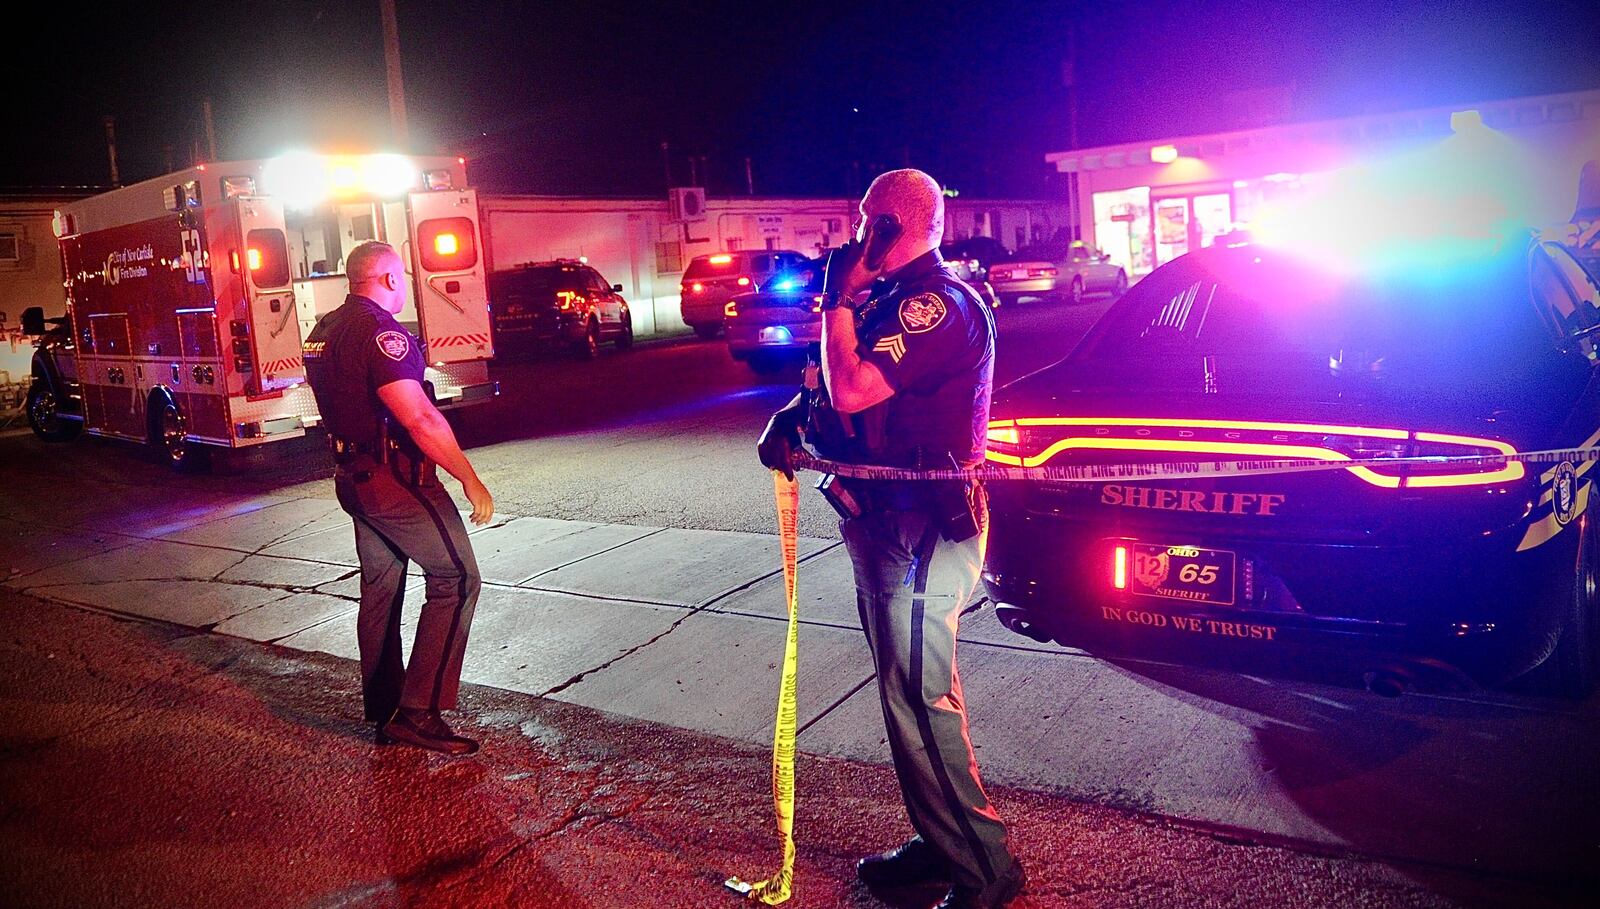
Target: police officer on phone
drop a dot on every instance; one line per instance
(907, 365)
(366, 371)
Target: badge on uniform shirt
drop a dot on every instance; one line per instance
(922, 312)
(394, 344)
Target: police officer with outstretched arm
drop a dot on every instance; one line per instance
(907, 366)
(366, 371)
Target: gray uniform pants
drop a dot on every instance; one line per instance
(397, 523)
(911, 584)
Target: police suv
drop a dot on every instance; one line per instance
(1452, 575)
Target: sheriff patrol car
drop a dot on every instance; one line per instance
(1411, 575)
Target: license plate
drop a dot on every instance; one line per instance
(1185, 573)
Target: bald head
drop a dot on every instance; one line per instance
(375, 271)
(369, 260)
(916, 200)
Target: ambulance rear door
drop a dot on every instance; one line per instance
(266, 348)
(446, 259)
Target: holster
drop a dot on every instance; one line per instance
(409, 464)
(837, 491)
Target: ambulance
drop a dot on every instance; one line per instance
(189, 296)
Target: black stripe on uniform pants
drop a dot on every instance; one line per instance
(391, 637)
(461, 581)
(924, 560)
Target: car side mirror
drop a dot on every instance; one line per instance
(616, 288)
(33, 320)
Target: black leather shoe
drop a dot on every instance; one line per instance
(437, 727)
(995, 896)
(913, 864)
(414, 728)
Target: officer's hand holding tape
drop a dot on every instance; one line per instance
(779, 442)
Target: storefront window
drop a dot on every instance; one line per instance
(1122, 228)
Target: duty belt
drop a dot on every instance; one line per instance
(347, 452)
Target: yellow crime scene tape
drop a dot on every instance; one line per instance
(779, 887)
(1181, 470)
(776, 889)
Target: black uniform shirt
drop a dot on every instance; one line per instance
(355, 350)
(933, 340)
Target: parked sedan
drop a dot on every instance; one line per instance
(777, 326)
(563, 302)
(1050, 272)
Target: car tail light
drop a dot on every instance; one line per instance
(731, 309)
(1030, 442)
(1004, 434)
(446, 244)
(816, 303)
(1042, 272)
(697, 287)
(1119, 568)
(743, 281)
(567, 299)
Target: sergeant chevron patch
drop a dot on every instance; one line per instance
(894, 346)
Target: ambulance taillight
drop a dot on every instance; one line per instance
(447, 244)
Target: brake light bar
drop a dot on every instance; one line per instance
(1006, 438)
(1119, 568)
(720, 260)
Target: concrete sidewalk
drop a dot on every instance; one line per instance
(683, 627)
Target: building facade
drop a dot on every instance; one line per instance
(645, 244)
(30, 275)
(1147, 203)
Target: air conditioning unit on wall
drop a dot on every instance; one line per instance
(686, 203)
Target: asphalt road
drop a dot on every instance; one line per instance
(663, 435)
(145, 765)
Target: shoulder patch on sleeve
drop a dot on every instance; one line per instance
(923, 312)
(894, 346)
(394, 344)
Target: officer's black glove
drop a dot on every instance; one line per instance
(836, 277)
(778, 442)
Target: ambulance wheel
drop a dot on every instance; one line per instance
(44, 415)
(1575, 665)
(169, 438)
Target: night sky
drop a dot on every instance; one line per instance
(576, 99)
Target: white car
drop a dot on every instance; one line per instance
(1068, 275)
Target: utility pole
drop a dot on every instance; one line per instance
(694, 171)
(211, 129)
(666, 162)
(1069, 81)
(111, 148)
(749, 177)
(397, 90)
